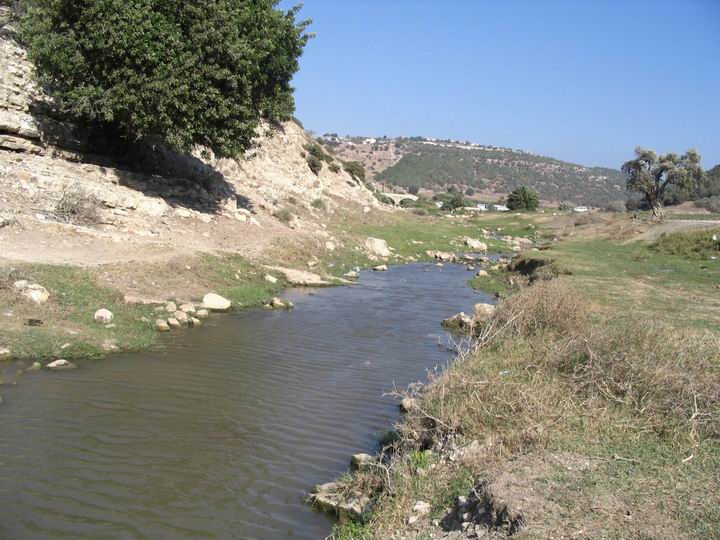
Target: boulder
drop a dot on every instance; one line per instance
(215, 302)
(202, 314)
(171, 307)
(380, 268)
(476, 245)
(174, 323)
(103, 316)
(187, 308)
(352, 275)
(459, 322)
(361, 461)
(5, 353)
(271, 279)
(59, 365)
(482, 273)
(483, 312)
(195, 322)
(161, 325)
(354, 509)
(276, 303)
(441, 255)
(377, 247)
(422, 508)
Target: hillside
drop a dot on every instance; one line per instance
(431, 163)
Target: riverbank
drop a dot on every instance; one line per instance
(572, 417)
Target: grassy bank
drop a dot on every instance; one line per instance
(591, 409)
(66, 328)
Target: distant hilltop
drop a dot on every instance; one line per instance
(438, 163)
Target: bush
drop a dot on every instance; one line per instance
(318, 204)
(469, 192)
(523, 198)
(616, 206)
(413, 190)
(355, 169)
(191, 73)
(711, 203)
(692, 244)
(284, 215)
(565, 206)
(334, 168)
(78, 208)
(315, 164)
(420, 212)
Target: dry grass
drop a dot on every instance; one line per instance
(637, 397)
(77, 208)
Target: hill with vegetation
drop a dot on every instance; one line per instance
(436, 164)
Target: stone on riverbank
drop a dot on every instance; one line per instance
(202, 314)
(483, 312)
(381, 268)
(5, 353)
(482, 273)
(407, 405)
(197, 323)
(162, 325)
(181, 317)
(327, 497)
(103, 316)
(377, 247)
(32, 291)
(187, 308)
(361, 461)
(352, 275)
(171, 307)
(271, 279)
(174, 323)
(445, 256)
(476, 245)
(60, 365)
(215, 302)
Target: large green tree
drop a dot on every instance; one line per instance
(192, 72)
(651, 175)
(523, 198)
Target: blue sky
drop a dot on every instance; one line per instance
(583, 80)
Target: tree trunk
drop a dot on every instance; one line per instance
(658, 210)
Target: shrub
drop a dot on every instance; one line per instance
(413, 190)
(315, 164)
(469, 192)
(187, 72)
(78, 208)
(284, 215)
(692, 244)
(523, 198)
(616, 206)
(334, 168)
(710, 203)
(318, 204)
(355, 169)
(565, 206)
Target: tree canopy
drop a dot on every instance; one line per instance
(523, 198)
(651, 174)
(190, 72)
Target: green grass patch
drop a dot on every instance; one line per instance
(697, 244)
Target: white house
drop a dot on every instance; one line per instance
(500, 208)
(580, 209)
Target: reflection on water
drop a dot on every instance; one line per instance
(221, 433)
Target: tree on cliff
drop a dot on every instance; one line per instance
(651, 174)
(192, 73)
(523, 198)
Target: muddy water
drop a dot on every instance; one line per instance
(221, 433)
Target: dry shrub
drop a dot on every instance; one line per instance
(667, 376)
(547, 306)
(78, 208)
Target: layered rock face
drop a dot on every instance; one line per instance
(48, 178)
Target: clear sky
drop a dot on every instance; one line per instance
(580, 80)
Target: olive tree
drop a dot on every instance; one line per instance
(189, 72)
(651, 174)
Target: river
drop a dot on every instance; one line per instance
(222, 431)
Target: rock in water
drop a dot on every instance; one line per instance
(181, 317)
(187, 308)
(482, 273)
(459, 322)
(174, 323)
(216, 302)
(381, 268)
(59, 365)
(377, 247)
(202, 314)
(103, 316)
